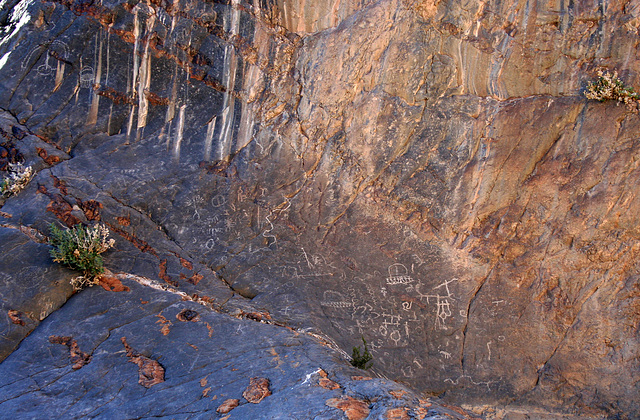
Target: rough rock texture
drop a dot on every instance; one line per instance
(423, 174)
(205, 362)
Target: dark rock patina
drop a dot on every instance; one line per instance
(426, 175)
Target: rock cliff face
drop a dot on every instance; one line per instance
(423, 174)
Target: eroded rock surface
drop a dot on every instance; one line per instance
(426, 175)
(204, 363)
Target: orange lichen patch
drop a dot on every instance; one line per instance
(155, 99)
(397, 414)
(112, 284)
(420, 413)
(398, 394)
(165, 324)
(205, 392)
(6, 215)
(49, 160)
(163, 274)
(328, 384)
(60, 185)
(186, 315)
(193, 346)
(100, 13)
(144, 302)
(61, 209)
(205, 299)
(325, 382)
(138, 243)
(361, 378)
(194, 279)
(91, 209)
(186, 264)
(150, 372)
(228, 405)
(203, 381)
(354, 409)
(124, 221)
(210, 328)
(257, 316)
(116, 97)
(77, 357)
(257, 390)
(16, 317)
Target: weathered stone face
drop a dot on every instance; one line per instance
(426, 175)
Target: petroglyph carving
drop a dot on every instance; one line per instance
(470, 379)
(56, 49)
(398, 274)
(446, 355)
(87, 77)
(443, 305)
(218, 201)
(335, 299)
(443, 312)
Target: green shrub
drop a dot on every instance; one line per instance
(610, 87)
(79, 248)
(361, 361)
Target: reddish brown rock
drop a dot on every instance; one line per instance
(227, 406)
(91, 209)
(257, 390)
(150, 372)
(77, 357)
(165, 324)
(398, 394)
(112, 284)
(325, 382)
(397, 414)
(186, 315)
(16, 316)
(353, 408)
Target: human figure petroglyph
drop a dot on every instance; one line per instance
(87, 77)
(443, 304)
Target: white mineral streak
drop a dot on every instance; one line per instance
(144, 77)
(232, 24)
(171, 109)
(208, 141)
(136, 47)
(59, 75)
(179, 133)
(95, 100)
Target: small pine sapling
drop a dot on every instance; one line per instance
(361, 361)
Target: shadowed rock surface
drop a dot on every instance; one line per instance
(427, 175)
